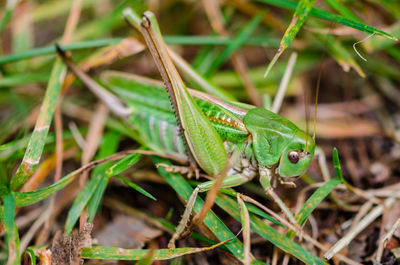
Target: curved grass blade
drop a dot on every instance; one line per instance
(257, 225)
(31, 197)
(331, 17)
(31, 254)
(302, 10)
(183, 188)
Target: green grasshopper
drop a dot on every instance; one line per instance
(232, 139)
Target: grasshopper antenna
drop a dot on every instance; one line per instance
(316, 97)
(307, 114)
(115, 105)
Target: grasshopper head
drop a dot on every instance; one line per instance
(296, 157)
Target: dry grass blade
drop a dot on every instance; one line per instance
(93, 137)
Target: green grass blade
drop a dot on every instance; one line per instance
(237, 41)
(38, 138)
(135, 187)
(9, 9)
(336, 164)
(124, 164)
(331, 17)
(31, 197)
(315, 199)
(115, 253)
(20, 79)
(117, 168)
(257, 225)
(94, 203)
(80, 203)
(343, 10)
(46, 50)
(12, 239)
(183, 188)
(173, 40)
(302, 10)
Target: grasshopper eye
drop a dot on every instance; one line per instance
(294, 157)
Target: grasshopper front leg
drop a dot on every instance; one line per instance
(203, 143)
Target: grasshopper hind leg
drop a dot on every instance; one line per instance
(232, 180)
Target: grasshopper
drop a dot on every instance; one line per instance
(231, 140)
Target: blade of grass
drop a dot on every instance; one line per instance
(80, 203)
(12, 238)
(28, 198)
(172, 40)
(114, 253)
(25, 78)
(315, 199)
(302, 10)
(10, 6)
(38, 138)
(22, 34)
(331, 17)
(135, 187)
(46, 50)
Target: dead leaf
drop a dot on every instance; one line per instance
(126, 232)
